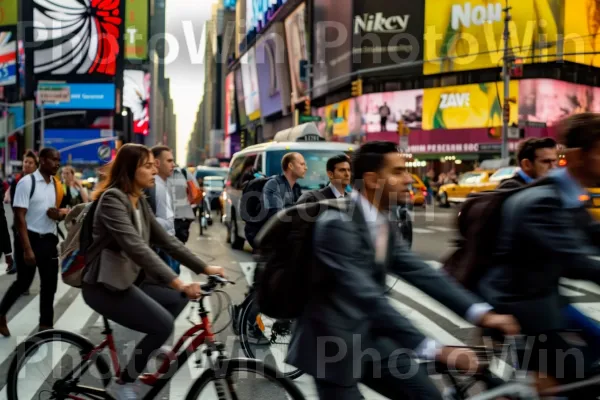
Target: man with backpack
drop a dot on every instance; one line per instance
(536, 157)
(37, 202)
(346, 330)
(545, 234)
(265, 197)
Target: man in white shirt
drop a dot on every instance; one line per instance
(36, 217)
(161, 196)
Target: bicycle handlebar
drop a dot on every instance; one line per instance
(214, 281)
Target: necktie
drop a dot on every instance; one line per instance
(382, 242)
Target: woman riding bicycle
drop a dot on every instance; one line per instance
(129, 283)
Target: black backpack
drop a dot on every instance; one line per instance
(287, 272)
(251, 204)
(479, 222)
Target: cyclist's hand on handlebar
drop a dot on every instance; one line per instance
(459, 358)
(192, 290)
(505, 323)
(214, 270)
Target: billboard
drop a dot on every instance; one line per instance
(240, 98)
(332, 44)
(94, 154)
(8, 58)
(9, 12)
(84, 96)
(250, 84)
(136, 96)
(468, 106)
(272, 71)
(297, 46)
(230, 125)
(548, 101)
(260, 12)
(582, 25)
(136, 29)
(340, 119)
(465, 35)
(78, 39)
(388, 33)
(381, 112)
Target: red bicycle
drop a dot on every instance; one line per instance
(82, 372)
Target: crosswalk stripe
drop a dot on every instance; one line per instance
(441, 228)
(592, 310)
(584, 285)
(422, 230)
(248, 270)
(58, 350)
(22, 324)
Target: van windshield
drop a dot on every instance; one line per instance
(316, 162)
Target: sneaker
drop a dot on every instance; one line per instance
(125, 391)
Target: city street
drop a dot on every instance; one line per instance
(433, 231)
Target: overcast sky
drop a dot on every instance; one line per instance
(185, 21)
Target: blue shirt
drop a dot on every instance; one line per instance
(525, 177)
(278, 194)
(570, 190)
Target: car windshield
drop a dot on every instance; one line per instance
(203, 173)
(316, 162)
(503, 173)
(214, 183)
(470, 178)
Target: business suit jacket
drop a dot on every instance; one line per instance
(5, 246)
(354, 307)
(315, 196)
(126, 252)
(539, 242)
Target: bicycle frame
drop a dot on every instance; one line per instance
(203, 335)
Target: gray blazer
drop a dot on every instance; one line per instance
(128, 252)
(354, 314)
(539, 242)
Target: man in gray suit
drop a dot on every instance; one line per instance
(351, 333)
(546, 235)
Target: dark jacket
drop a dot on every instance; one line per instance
(5, 246)
(512, 183)
(315, 196)
(540, 241)
(355, 311)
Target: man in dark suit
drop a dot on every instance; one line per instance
(5, 246)
(351, 333)
(536, 157)
(339, 173)
(544, 237)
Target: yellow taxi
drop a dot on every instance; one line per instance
(473, 181)
(594, 203)
(418, 192)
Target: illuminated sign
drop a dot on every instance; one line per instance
(260, 12)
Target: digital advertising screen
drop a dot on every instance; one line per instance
(136, 96)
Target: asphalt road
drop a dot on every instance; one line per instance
(433, 233)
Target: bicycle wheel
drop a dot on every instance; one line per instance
(243, 379)
(266, 339)
(49, 362)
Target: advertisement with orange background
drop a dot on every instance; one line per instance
(468, 106)
(582, 32)
(465, 35)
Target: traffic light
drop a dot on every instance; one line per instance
(307, 110)
(517, 68)
(357, 88)
(495, 132)
(403, 130)
(506, 111)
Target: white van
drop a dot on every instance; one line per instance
(265, 158)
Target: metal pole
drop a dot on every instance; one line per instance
(506, 78)
(6, 149)
(42, 125)
(60, 114)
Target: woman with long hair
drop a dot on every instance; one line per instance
(128, 283)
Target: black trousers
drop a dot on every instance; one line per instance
(18, 254)
(149, 309)
(401, 378)
(46, 255)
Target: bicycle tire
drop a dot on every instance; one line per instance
(27, 347)
(247, 365)
(244, 342)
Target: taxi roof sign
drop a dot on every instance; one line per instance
(302, 133)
